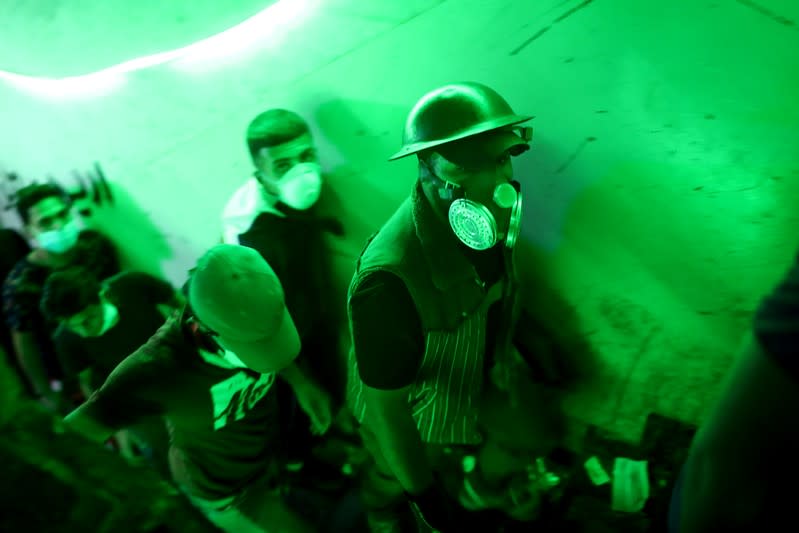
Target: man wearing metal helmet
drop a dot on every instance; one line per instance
(433, 303)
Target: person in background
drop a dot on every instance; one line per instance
(11, 391)
(13, 247)
(433, 307)
(100, 324)
(58, 243)
(283, 213)
(742, 466)
(209, 371)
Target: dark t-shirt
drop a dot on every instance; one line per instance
(12, 248)
(136, 295)
(223, 424)
(22, 290)
(776, 324)
(387, 331)
(295, 248)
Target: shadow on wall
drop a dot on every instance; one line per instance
(553, 326)
(550, 325)
(354, 139)
(140, 244)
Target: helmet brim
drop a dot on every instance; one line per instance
(485, 149)
(415, 148)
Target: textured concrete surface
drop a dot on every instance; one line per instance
(660, 194)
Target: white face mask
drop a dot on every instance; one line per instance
(110, 317)
(301, 186)
(59, 241)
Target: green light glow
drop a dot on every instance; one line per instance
(253, 31)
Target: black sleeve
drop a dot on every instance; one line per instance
(12, 248)
(776, 324)
(387, 333)
(135, 391)
(259, 239)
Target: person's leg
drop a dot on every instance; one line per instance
(514, 436)
(382, 496)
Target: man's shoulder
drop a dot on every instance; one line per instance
(24, 276)
(92, 236)
(166, 348)
(240, 198)
(396, 241)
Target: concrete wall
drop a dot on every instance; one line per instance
(660, 194)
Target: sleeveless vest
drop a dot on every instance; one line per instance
(452, 303)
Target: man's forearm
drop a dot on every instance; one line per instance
(295, 376)
(32, 365)
(399, 441)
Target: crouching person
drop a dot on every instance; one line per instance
(209, 372)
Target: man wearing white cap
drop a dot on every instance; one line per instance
(208, 371)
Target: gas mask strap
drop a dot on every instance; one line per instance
(444, 188)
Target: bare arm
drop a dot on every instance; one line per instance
(123, 437)
(30, 359)
(389, 418)
(739, 443)
(313, 399)
(294, 376)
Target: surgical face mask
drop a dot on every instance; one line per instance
(61, 240)
(110, 318)
(301, 186)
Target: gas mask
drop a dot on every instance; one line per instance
(301, 186)
(473, 222)
(61, 240)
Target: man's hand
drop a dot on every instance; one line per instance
(317, 404)
(507, 374)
